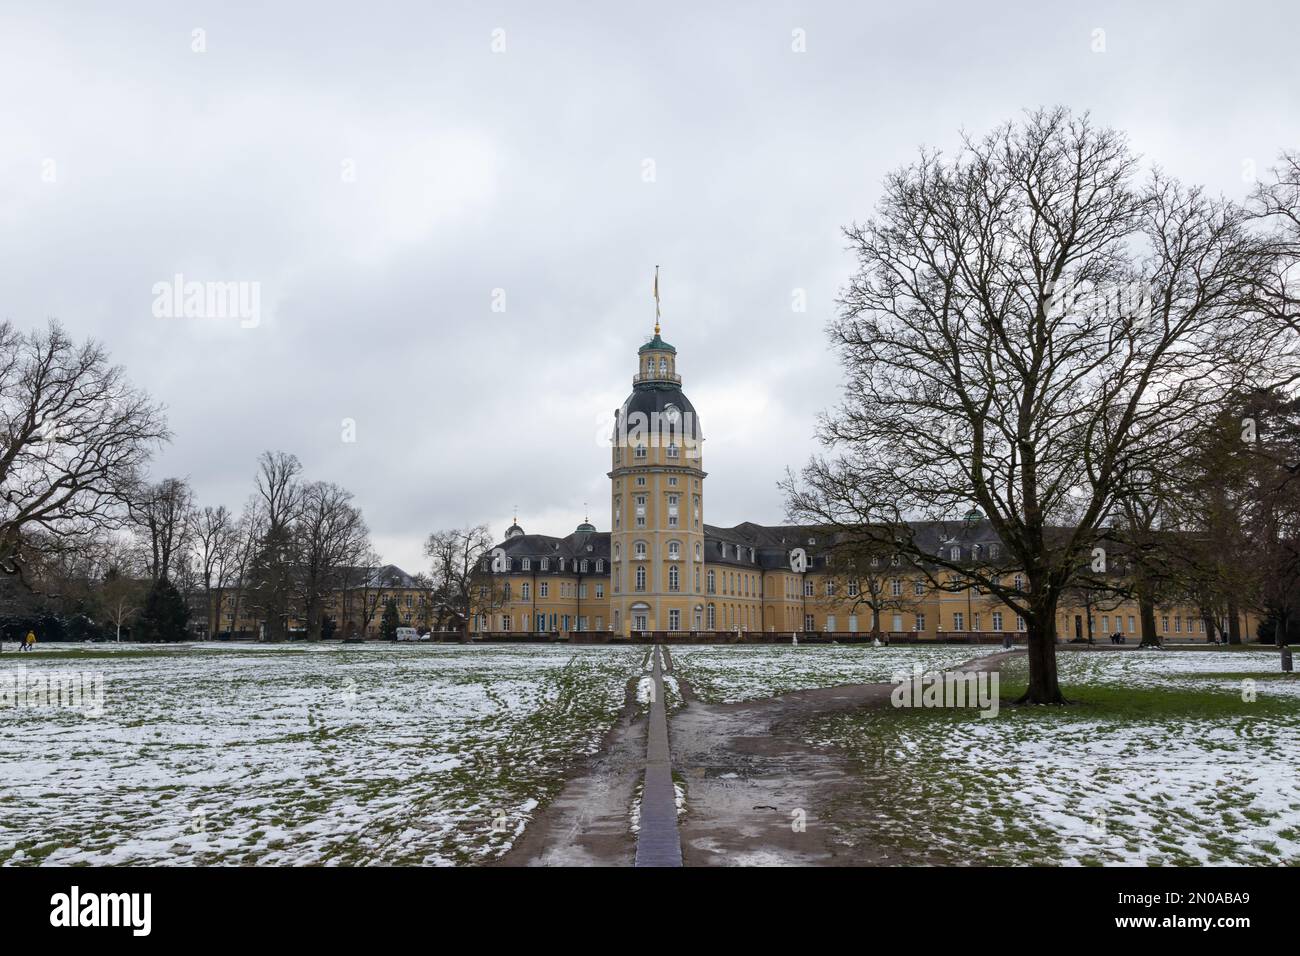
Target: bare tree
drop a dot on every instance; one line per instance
(461, 586)
(74, 434)
(162, 513)
(332, 537)
(245, 539)
(214, 537)
(279, 493)
(1027, 317)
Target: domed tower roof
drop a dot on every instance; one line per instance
(656, 344)
(514, 531)
(585, 528)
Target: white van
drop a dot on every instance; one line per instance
(407, 634)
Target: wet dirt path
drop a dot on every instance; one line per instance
(753, 785)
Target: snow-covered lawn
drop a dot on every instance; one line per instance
(300, 754)
(1160, 761)
(735, 672)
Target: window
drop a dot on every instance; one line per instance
(640, 449)
(582, 566)
(853, 589)
(1164, 624)
(674, 616)
(526, 564)
(920, 623)
(640, 578)
(1020, 623)
(505, 591)
(895, 588)
(505, 622)
(600, 565)
(958, 621)
(954, 554)
(672, 447)
(582, 591)
(546, 564)
(712, 581)
(1019, 582)
(830, 588)
(713, 618)
(808, 622)
(600, 591)
(640, 481)
(639, 550)
(544, 589)
(674, 551)
(918, 587)
(997, 620)
(525, 592)
(1178, 623)
(672, 481)
(1131, 628)
(674, 578)
(618, 552)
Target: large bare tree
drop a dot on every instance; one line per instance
(273, 571)
(332, 537)
(74, 436)
(1027, 317)
(214, 541)
(161, 512)
(461, 587)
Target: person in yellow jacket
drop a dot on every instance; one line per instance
(31, 640)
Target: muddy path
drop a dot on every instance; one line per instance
(755, 788)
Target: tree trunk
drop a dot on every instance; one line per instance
(1043, 686)
(1150, 636)
(1234, 624)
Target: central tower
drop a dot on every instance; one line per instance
(657, 500)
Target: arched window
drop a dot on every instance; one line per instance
(618, 551)
(674, 578)
(663, 366)
(713, 587)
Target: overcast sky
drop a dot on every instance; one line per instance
(378, 169)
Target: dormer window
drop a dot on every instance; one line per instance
(954, 554)
(546, 564)
(525, 564)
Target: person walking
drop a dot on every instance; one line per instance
(31, 640)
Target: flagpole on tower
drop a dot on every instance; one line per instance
(656, 300)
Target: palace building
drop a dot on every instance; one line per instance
(662, 569)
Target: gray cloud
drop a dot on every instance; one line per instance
(523, 171)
